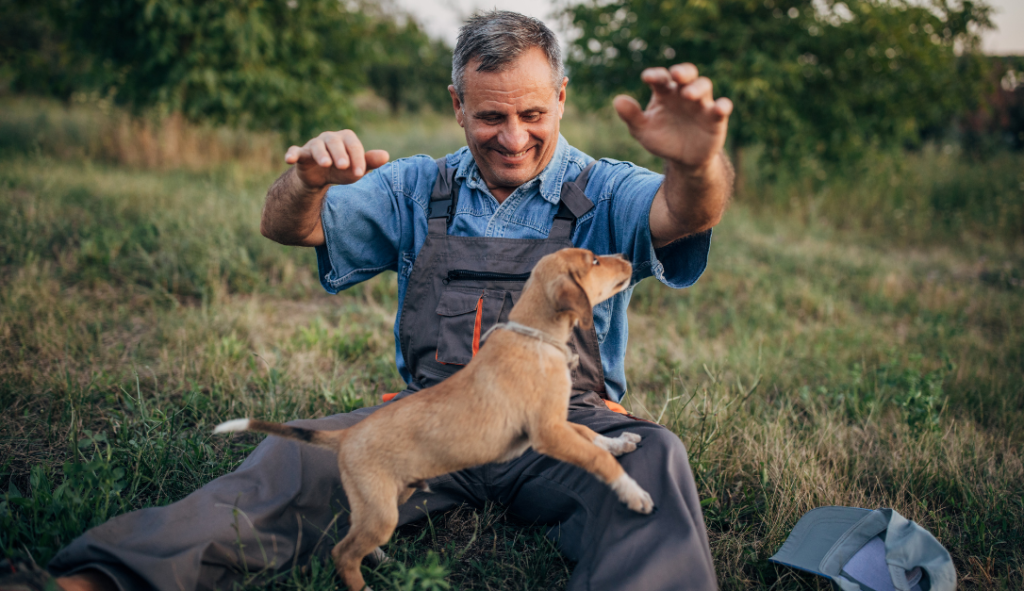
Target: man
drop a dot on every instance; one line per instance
(482, 217)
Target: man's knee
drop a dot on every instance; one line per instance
(658, 442)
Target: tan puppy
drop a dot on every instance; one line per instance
(513, 395)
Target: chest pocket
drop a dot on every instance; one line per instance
(466, 314)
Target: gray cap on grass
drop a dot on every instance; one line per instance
(864, 550)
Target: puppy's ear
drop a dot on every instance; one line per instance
(571, 299)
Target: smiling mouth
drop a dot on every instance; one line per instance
(512, 156)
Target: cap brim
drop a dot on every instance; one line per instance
(814, 535)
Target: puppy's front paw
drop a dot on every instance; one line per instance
(632, 495)
(617, 446)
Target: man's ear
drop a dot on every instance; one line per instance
(561, 96)
(571, 299)
(456, 105)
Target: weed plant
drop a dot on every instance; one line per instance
(822, 359)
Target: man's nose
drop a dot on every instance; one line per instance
(514, 137)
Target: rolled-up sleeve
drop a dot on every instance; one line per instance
(362, 231)
(629, 190)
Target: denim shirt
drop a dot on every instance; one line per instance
(380, 222)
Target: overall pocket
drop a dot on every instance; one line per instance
(466, 314)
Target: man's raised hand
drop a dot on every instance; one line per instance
(291, 213)
(683, 123)
(333, 158)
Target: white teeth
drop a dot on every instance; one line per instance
(517, 154)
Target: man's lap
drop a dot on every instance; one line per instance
(286, 498)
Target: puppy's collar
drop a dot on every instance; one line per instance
(572, 359)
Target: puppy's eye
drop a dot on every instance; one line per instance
(596, 262)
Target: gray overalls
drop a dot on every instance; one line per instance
(285, 495)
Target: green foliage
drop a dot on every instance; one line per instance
(426, 576)
(153, 458)
(920, 398)
(35, 57)
(288, 66)
(41, 519)
(407, 68)
(285, 66)
(827, 80)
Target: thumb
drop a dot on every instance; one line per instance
(629, 110)
(376, 159)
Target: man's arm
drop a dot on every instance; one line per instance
(686, 127)
(291, 213)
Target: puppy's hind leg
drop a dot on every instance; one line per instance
(374, 516)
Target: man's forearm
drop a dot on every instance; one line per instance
(691, 200)
(291, 213)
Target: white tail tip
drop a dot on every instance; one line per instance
(235, 425)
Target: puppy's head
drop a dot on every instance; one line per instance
(576, 280)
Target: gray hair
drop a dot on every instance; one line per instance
(497, 39)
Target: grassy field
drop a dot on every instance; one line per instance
(833, 353)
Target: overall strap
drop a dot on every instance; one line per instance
(442, 199)
(572, 206)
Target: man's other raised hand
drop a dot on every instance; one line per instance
(683, 123)
(333, 158)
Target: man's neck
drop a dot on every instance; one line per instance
(501, 193)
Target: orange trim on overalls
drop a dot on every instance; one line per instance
(476, 324)
(476, 340)
(390, 396)
(476, 331)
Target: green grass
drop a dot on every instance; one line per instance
(933, 195)
(825, 357)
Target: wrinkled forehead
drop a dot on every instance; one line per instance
(530, 76)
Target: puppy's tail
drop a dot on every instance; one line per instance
(321, 438)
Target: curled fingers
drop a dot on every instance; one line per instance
(356, 153)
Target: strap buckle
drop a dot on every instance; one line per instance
(439, 205)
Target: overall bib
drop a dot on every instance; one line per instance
(273, 511)
(461, 286)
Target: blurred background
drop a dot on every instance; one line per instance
(821, 88)
(857, 338)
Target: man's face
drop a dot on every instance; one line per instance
(511, 120)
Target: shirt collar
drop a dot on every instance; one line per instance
(550, 178)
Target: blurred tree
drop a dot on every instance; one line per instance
(287, 65)
(407, 68)
(816, 78)
(999, 122)
(34, 56)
